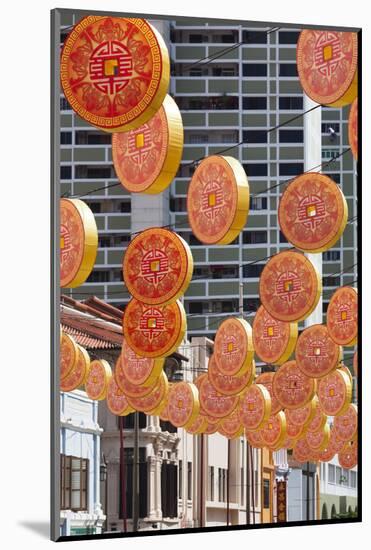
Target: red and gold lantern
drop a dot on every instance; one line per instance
(348, 457)
(214, 403)
(274, 341)
(227, 384)
(255, 407)
(255, 438)
(183, 404)
(318, 441)
(137, 370)
(77, 376)
(155, 401)
(294, 431)
(316, 353)
(334, 393)
(353, 128)
(292, 388)
(233, 348)
(266, 379)
(116, 399)
(198, 426)
(274, 431)
(318, 421)
(303, 416)
(69, 355)
(97, 380)
(231, 427)
(342, 316)
(345, 425)
(302, 452)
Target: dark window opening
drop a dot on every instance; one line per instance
(74, 483)
(293, 102)
(254, 103)
(288, 69)
(255, 136)
(288, 37)
(266, 493)
(254, 37)
(255, 169)
(291, 136)
(291, 168)
(66, 138)
(143, 484)
(254, 69)
(255, 237)
(66, 172)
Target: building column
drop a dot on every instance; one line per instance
(158, 507)
(152, 460)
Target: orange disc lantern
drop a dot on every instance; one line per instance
(154, 331)
(316, 353)
(353, 128)
(291, 387)
(231, 427)
(97, 380)
(226, 384)
(154, 402)
(319, 420)
(183, 404)
(266, 379)
(79, 242)
(274, 341)
(303, 416)
(274, 431)
(198, 426)
(157, 266)
(77, 376)
(345, 425)
(313, 212)
(290, 286)
(69, 355)
(255, 438)
(116, 400)
(318, 441)
(233, 348)
(348, 457)
(114, 71)
(129, 389)
(137, 370)
(147, 159)
(218, 200)
(214, 403)
(336, 444)
(334, 393)
(294, 431)
(327, 66)
(255, 407)
(342, 316)
(302, 451)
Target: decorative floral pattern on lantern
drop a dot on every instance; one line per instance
(214, 403)
(77, 376)
(301, 452)
(69, 355)
(154, 400)
(291, 387)
(290, 286)
(255, 438)
(78, 242)
(198, 426)
(318, 421)
(348, 457)
(218, 200)
(303, 416)
(97, 379)
(274, 341)
(116, 400)
(147, 159)
(226, 384)
(342, 316)
(211, 426)
(183, 404)
(345, 425)
(327, 66)
(316, 353)
(266, 379)
(318, 441)
(137, 370)
(157, 266)
(334, 393)
(233, 347)
(353, 128)
(115, 71)
(312, 212)
(127, 387)
(294, 431)
(231, 427)
(255, 407)
(154, 331)
(274, 431)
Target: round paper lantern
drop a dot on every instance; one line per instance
(114, 71)
(255, 439)
(79, 242)
(147, 159)
(316, 353)
(335, 443)
(154, 331)
(353, 128)
(97, 380)
(345, 425)
(211, 427)
(233, 347)
(231, 427)
(313, 212)
(319, 420)
(116, 400)
(164, 414)
(355, 363)
(274, 431)
(255, 407)
(291, 387)
(157, 266)
(154, 400)
(327, 66)
(328, 453)
(214, 403)
(294, 431)
(129, 389)
(288, 443)
(218, 200)
(348, 457)
(290, 286)
(226, 384)
(137, 370)
(198, 426)
(342, 316)
(319, 440)
(266, 379)
(69, 354)
(274, 341)
(301, 451)
(334, 393)
(303, 416)
(77, 376)
(183, 404)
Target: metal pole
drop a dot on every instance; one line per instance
(308, 518)
(248, 475)
(252, 485)
(228, 466)
(136, 473)
(202, 481)
(122, 474)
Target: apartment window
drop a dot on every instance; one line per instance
(66, 138)
(338, 475)
(178, 204)
(254, 37)
(224, 306)
(255, 237)
(254, 69)
(291, 136)
(250, 304)
(169, 490)
(91, 137)
(193, 241)
(64, 105)
(210, 485)
(325, 127)
(255, 169)
(331, 256)
(331, 281)
(291, 103)
(167, 426)
(143, 483)
(291, 168)
(266, 493)
(255, 136)
(335, 177)
(331, 473)
(288, 37)
(98, 277)
(324, 307)
(125, 207)
(74, 483)
(195, 307)
(189, 480)
(283, 238)
(288, 69)
(95, 207)
(224, 38)
(258, 203)
(198, 138)
(222, 484)
(66, 172)
(180, 478)
(93, 172)
(197, 38)
(195, 72)
(224, 71)
(104, 242)
(252, 271)
(254, 103)
(329, 153)
(128, 421)
(121, 240)
(345, 478)
(353, 479)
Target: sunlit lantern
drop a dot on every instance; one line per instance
(255, 407)
(227, 384)
(155, 401)
(231, 427)
(312, 212)
(303, 416)
(353, 128)
(218, 200)
(348, 457)
(292, 388)
(342, 316)
(318, 421)
(127, 387)
(318, 441)
(147, 159)
(327, 66)
(345, 425)
(115, 71)
(183, 404)
(302, 451)
(116, 400)
(316, 353)
(334, 393)
(266, 379)
(157, 266)
(290, 286)
(274, 431)
(137, 370)
(78, 242)
(274, 341)
(69, 355)
(198, 426)
(97, 380)
(294, 431)
(214, 403)
(77, 376)
(233, 349)
(254, 438)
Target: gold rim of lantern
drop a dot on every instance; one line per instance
(105, 374)
(159, 394)
(311, 412)
(79, 372)
(323, 442)
(241, 329)
(282, 429)
(290, 338)
(265, 401)
(344, 382)
(351, 339)
(118, 395)
(312, 342)
(151, 376)
(68, 343)
(194, 408)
